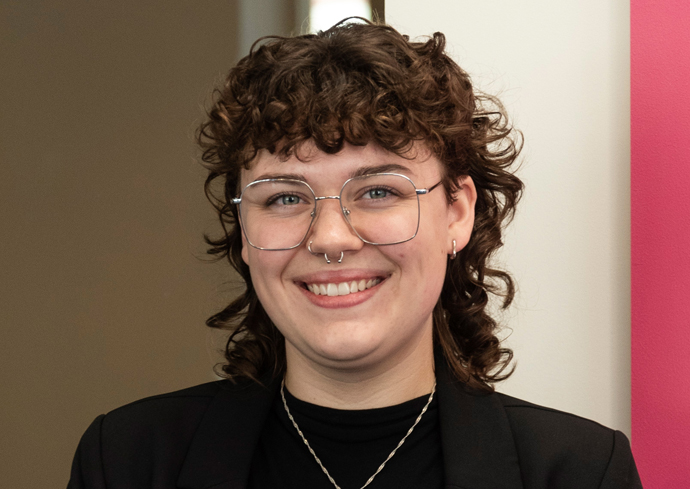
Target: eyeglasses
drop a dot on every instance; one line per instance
(382, 209)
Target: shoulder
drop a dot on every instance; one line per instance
(552, 424)
(163, 409)
(124, 444)
(553, 444)
(168, 417)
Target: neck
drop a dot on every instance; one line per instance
(383, 385)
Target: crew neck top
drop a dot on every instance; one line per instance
(351, 444)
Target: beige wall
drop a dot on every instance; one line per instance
(103, 299)
(563, 70)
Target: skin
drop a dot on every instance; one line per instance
(373, 348)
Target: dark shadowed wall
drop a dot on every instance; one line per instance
(103, 297)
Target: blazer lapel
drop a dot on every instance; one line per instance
(221, 451)
(478, 447)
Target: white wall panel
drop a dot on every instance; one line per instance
(562, 69)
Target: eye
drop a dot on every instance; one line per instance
(379, 192)
(289, 200)
(284, 199)
(376, 193)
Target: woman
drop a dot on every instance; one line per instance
(364, 188)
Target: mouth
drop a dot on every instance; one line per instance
(342, 288)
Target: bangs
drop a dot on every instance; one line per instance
(330, 106)
(352, 84)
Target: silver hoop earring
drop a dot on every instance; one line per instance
(455, 253)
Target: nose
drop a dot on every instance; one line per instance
(330, 233)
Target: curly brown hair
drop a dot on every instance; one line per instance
(362, 83)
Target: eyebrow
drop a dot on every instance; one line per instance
(281, 176)
(385, 168)
(360, 172)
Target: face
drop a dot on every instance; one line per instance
(392, 317)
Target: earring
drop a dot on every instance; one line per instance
(455, 253)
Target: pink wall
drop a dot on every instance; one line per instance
(660, 192)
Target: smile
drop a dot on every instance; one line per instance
(342, 288)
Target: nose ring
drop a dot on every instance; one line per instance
(325, 255)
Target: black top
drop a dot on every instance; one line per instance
(351, 445)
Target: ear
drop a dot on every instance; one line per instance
(461, 214)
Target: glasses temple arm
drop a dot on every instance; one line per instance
(422, 191)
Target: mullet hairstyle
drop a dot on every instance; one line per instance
(365, 83)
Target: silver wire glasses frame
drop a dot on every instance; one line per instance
(345, 211)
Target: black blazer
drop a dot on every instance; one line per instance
(204, 437)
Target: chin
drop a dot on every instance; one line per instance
(351, 351)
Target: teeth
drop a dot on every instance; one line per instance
(343, 288)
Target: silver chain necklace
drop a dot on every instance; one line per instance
(390, 456)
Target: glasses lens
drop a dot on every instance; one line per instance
(383, 209)
(276, 214)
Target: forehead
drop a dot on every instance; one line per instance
(318, 168)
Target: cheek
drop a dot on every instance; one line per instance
(265, 280)
(432, 267)
(245, 252)
(424, 266)
(267, 269)
(261, 267)
(435, 275)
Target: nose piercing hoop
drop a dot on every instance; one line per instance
(309, 248)
(325, 255)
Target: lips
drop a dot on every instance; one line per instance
(342, 288)
(336, 289)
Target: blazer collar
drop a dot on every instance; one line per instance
(478, 447)
(221, 452)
